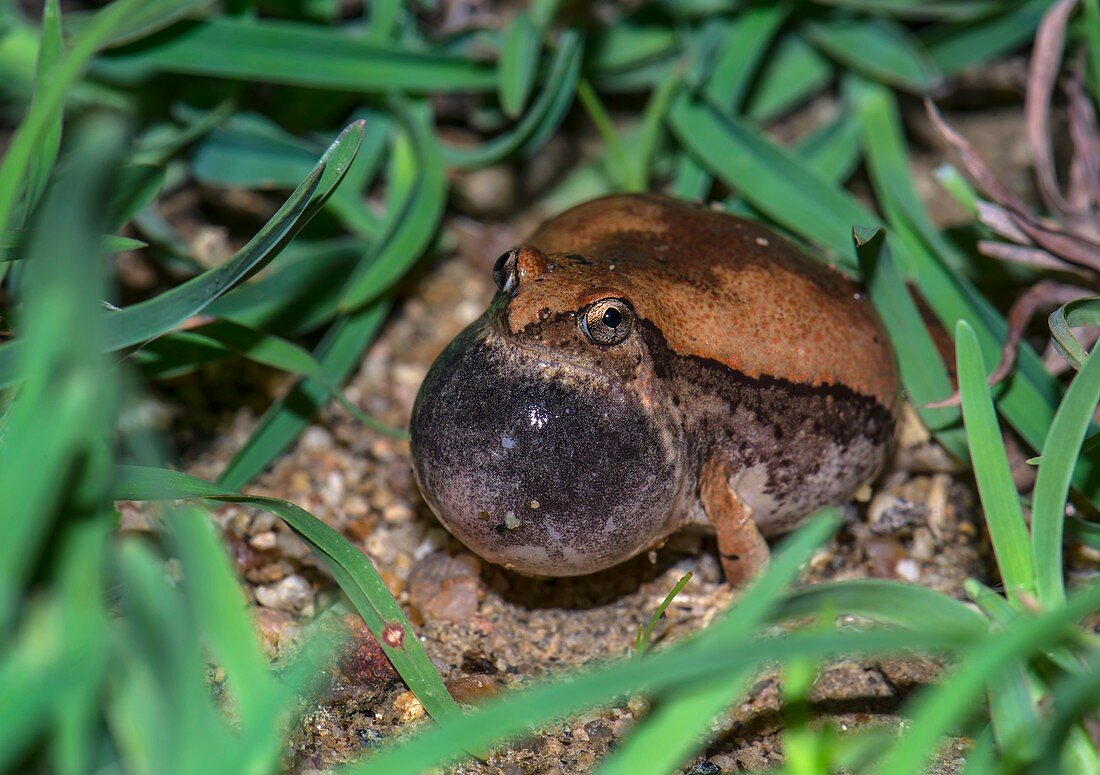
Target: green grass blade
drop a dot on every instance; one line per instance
(211, 591)
(299, 294)
(1083, 312)
(412, 225)
(666, 670)
(34, 679)
(788, 78)
(645, 633)
(923, 373)
(627, 46)
(351, 569)
(955, 47)
(148, 319)
(108, 244)
(832, 149)
(542, 117)
(677, 727)
(47, 103)
(383, 20)
(160, 635)
(1003, 515)
(80, 575)
(519, 57)
(1048, 502)
(937, 710)
(920, 9)
(49, 54)
(338, 353)
(59, 417)
(297, 54)
(277, 353)
(888, 602)
(730, 78)
(151, 17)
(879, 48)
(621, 171)
(650, 129)
(135, 187)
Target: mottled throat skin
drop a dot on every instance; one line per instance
(646, 364)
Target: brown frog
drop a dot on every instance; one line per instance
(647, 364)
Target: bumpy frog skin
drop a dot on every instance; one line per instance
(648, 364)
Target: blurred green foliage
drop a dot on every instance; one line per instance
(105, 655)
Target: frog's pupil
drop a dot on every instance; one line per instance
(612, 317)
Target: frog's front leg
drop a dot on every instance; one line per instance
(743, 550)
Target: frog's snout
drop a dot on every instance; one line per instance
(543, 470)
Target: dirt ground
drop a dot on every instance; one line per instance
(489, 630)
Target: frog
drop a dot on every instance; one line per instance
(647, 364)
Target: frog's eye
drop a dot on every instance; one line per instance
(504, 271)
(607, 321)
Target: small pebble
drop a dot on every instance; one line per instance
(473, 689)
(264, 541)
(909, 570)
(446, 588)
(408, 708)
(292, 594)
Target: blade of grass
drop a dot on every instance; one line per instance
(922, 369)
(542, 116)
(1083, 312)
(351, 569)
(787, 78)
(338, 353)
(108, 244)
(186, 727)
(1003, 515)
(48, 100)
(1048, 503)
(65, 378)
(678, 726)
(878, 47)
(215, 600)
(519, 57)
(650, 128)
(955, 47)
(34, 678)
(645, 633)
(728, 81)
(622, 171)
(936, 710)
(412, 225)
(49, 54)
(270, 350)
(888, 602)
(149, 319)
(297, 54)
(521, 712)
(80, 571)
